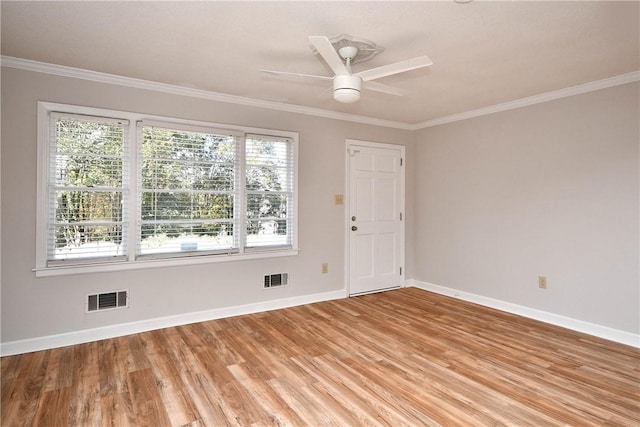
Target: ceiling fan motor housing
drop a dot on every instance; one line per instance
(346, 88)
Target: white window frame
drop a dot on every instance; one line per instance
(238, 191)
(42, 209)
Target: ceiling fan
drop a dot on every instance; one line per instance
(346, 83)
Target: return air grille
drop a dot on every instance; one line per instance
(274, 280)
(107, 301)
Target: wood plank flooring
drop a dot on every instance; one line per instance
(403, 357)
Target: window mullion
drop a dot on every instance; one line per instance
(240, 209)
(134, 178)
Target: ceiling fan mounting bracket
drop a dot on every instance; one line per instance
(366, 49)
(348, 52)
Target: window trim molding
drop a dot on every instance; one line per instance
(130, 263)
(159, 263)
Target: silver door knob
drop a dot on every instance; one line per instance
(354, 228)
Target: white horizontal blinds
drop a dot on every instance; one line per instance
(269, 192)
(186, 190)
(87, 215)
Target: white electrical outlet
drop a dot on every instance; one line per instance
(542, 282)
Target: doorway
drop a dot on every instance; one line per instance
(375, 210)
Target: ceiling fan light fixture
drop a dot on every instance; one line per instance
(346, 88)
(346, 95)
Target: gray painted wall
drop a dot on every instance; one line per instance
(552, 190)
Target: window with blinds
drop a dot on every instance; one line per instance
(87, 197)
(187, 191)
(110, 193)
(269, 192)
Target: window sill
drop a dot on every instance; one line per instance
(158, 263)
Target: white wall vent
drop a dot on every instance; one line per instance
(274, 280)
(107, 301)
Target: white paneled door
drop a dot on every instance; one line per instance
(375, 223)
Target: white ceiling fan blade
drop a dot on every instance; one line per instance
(324, 93)
(285, 73)
(396, 68)
(379, 87)
(331, 57)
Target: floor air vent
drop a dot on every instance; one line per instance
(274, 280)
(107, 301)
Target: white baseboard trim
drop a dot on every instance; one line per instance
(605, 332)
(96, 334)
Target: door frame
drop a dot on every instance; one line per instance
(351, 144)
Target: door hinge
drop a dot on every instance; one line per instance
(400, 216)
(401, 271)
(400, 161)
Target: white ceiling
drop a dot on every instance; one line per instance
(484, 53)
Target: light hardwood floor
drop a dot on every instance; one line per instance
(403, 357)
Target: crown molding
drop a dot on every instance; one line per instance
(535, 99)
(79, 73)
